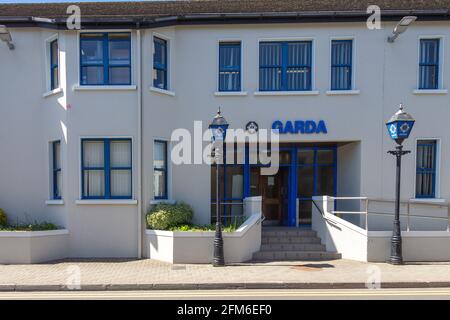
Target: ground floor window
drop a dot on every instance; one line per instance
(56, 169)
(160, 170)
(426, 168)
(106, 169)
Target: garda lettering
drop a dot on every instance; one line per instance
(300, 126)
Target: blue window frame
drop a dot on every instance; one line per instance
(106, 168)
(230, 66)
(426, 169)
(105, 59)
(160, 170)
(341, 64)
(160, 63)
(54, 65)
(285, 66)
(429, 64)
(56, 168)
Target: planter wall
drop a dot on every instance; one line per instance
(25, 247)
(197, 247)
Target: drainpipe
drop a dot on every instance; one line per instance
(139, 143)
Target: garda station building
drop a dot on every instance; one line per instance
(88, 114)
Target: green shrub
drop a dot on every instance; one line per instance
(164, 216)
(37, 226)
(3, 218)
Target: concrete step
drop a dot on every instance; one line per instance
(288, 239)
(293, 247)
(295, 255)
(287, 232)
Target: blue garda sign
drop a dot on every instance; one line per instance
(300, 127)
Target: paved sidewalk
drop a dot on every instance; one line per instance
(151, 274)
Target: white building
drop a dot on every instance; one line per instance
(86, 116)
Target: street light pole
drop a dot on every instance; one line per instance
(219, 259)
(399, 127)
(396, 241)
(219, 128)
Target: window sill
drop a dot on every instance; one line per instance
(286, 93)
(434, 91)
(162, 91)
(52, 92)
(230, 93)
(158, 201)
(342, 92)
(58, 202)
(107, 202)
(105, 88)
(428, 200)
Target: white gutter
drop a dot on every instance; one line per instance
(139, 145)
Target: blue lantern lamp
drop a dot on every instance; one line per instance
(218, 128)
(399, 128)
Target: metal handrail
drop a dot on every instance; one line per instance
(407, 214)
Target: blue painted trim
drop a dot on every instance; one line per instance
(165, 170)
(56, 170)
(157, 64)
(54, 83)
(106, 58)
(424, 171)
(107, 168)
(284, 66)
(234, 68)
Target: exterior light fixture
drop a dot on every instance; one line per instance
(219, 128)
(399, 128)
(5, 36)
(401, 27)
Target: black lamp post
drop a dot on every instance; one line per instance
(399, 128)
(219, 128)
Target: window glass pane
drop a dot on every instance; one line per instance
(305, 209)
(160, 79)
(305, 156)
(270, 79)
(57, 155)
(159, 183)
(92, 49)
(55, 78)
(119, 52)
(120, 153)
(119, 75)
(299, 78)
(428, 77)
(255, 185)
(120, 183)
(160, 54)
(93, 154)
(160, 154)
(325, 180)
(429, 50)
(270, 54)
(58, 184)
(299, 53)
(92, 75)
(426, 168)
(325, 156)
(305, 182)
(229, 81)
(429, 64)
(234, 181)
(54, 52)
(94, 183)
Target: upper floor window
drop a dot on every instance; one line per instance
(429, 64)
(105, 58)
(160, 170)
(54, 64)
(285, 66)
(341, 64)
(426, 168)
(230, 66)
(56, 169)
(106, 168)
(160, 63)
